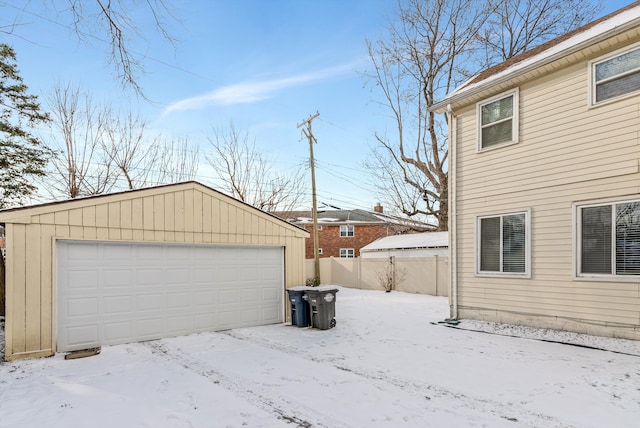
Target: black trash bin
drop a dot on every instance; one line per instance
(322, 304)
(299, 306)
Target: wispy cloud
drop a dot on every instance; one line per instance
(254, 91)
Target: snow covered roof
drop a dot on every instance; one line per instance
(350, 217)
(411, 240)
(567, 44)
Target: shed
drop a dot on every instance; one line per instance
(426, 244)
(143, 264)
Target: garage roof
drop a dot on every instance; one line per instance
(409, 241)
(23, 214)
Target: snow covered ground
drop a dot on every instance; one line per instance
(384, 365)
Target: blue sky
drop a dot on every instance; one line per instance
(265, 65)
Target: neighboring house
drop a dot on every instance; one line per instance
(545, 184)
(426, 244)
(143, 264)
(342, 233)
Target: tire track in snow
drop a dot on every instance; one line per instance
(261, 399)
(508, 411)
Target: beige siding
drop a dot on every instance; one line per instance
(184, 213)
(567, 153)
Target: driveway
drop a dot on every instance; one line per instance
(385, 364)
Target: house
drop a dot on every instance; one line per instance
(342, 233)
(545, 184)
(425, 244)
(141, 265)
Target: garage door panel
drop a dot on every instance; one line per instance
(149, 276)
(115, 277)
(150, 302)
(114, 305)
(112, 293)
(205, 322)
(205, 298)
(117, 332)
(84, 335)
(81, 307)
(81, 279)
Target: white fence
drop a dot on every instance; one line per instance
(423, 275)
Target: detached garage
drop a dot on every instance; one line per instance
(142, 265)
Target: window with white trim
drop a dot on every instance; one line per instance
(498, 120)
(503, 244)
(609, 239)
(319, 251)
(347, 231)
(615, 76)
(347, 253)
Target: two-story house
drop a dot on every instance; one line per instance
(545, 184)
(342, 233)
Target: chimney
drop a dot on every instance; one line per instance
(378, 208)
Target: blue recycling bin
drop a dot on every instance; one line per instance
(299, 307)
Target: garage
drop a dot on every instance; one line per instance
(141, 265)
(110, 293)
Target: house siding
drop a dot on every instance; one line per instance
(186, 213)
(567, 153)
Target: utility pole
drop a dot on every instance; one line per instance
(307, 132)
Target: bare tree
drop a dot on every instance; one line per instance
(247, 175)
(516, 26)
(432, 47)
(98, 150)
(143, 161)
(79, 166)
(111, 22)
(154, 162)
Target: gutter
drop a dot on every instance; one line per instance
(453, 244)
(505, 76)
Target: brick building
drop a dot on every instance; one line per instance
(341, 233)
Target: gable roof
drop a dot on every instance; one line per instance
(9, 215)
(327, 217)
(409, 241)
(608, 26)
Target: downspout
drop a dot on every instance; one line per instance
(453, 248)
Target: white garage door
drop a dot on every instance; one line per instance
(111, 293)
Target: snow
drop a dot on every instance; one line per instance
(410, 240)
(387, 363)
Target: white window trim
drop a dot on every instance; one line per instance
(591, 81)
(527, 260)
(347, 250)
(319, 251)
(576, 247)
(515, 129)
(347, 226)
